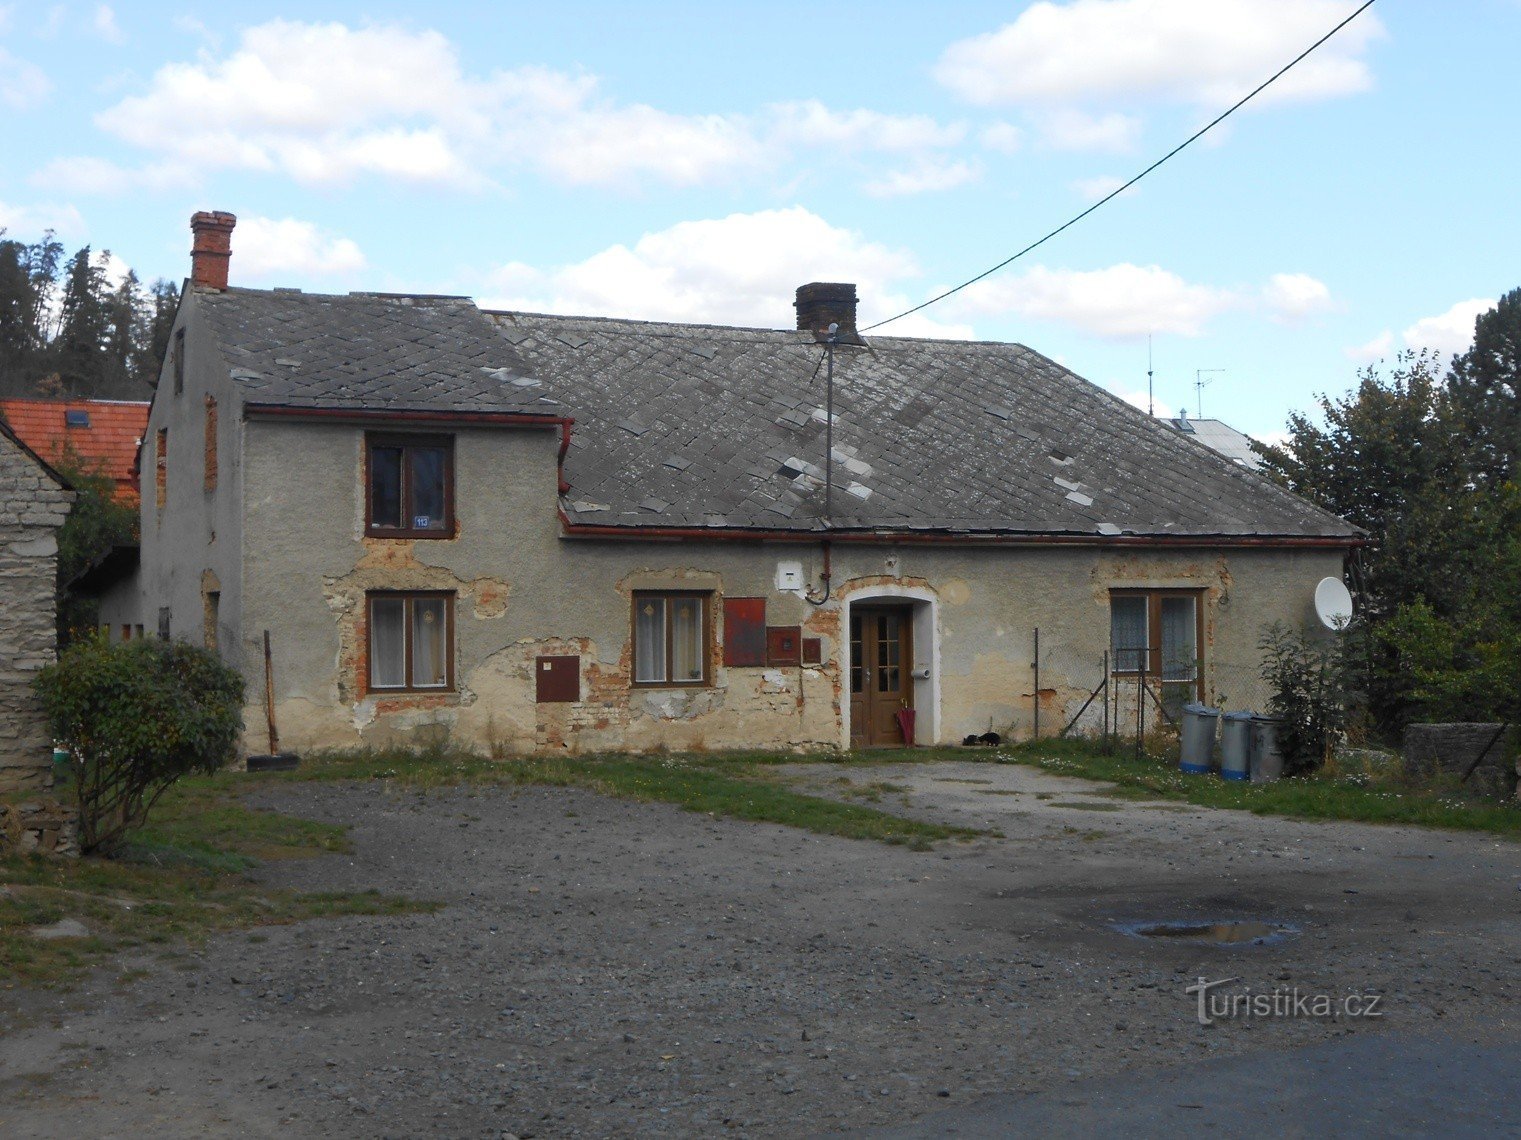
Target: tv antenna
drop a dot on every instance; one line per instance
(1200, 384)
(1151, 404)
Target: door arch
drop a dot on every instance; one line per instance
(918, 638)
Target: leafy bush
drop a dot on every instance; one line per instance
(137, 716)
(1310, 694)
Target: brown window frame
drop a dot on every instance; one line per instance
(706, 597)
(409, 596)
(1154, 598)
(406, 441)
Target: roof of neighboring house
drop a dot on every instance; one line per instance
(21, 444)
(1219, 436)
(107, 438)
(368, 350)
(682, 425)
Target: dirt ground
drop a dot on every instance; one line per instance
(611, 968)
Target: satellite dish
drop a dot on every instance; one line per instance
(1333, 604)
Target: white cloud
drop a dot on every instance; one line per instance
(78, 174)
(1071, 129)
(1376, 349)
(1121, 302)
(27, 223)
(104, 24)
(263, 247)
(1005, 138)
(1206, 53)
(1294, 297)
(22, 84)
(811, 123)
(326, 103)
(1092, 189)
(922, 177)
(1451, 332)
(743, 269)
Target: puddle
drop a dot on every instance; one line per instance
(996, 792)
(954, 780)
(1242, 933)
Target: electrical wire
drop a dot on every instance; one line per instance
(1200, 133)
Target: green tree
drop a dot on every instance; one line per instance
(97, 522)
(1485, 385)
(136, 716)
(83, 324)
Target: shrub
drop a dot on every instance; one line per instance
(136, 716)
(1309, 694)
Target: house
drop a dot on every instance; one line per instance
(1219, 436)
(34, 501)
(97, 435)
(531, 532)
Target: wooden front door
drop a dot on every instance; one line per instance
(881, 673)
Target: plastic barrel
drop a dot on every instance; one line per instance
(1236, 746)
(1197, 751)
(1267, 754)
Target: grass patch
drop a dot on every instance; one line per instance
(1361, 796)
(729, 785)
(180, 879)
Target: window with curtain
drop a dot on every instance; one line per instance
(671, 638)
(411, 642)
(1158, 631)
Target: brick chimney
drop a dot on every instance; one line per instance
(212, 249)
(820, 304)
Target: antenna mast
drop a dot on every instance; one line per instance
(1200, 384)
(1151, 404)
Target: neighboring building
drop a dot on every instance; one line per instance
(534, 532)
(101, 435)
(1219, 437)
(34, 501)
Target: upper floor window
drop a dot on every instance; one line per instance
(177, 361)
(161, 469)
(672, 638)
(410, 486)
(210, 480)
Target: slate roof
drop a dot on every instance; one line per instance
(367, 351)
(109, 441)
(682, 425)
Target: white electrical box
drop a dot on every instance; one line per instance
(789, 576)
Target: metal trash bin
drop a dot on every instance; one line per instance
(1267, 750)
(1197, 747)
(1236, 746)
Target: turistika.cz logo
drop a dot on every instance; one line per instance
(1217, 1004)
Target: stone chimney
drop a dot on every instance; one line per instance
(212, 249)
(820, 304)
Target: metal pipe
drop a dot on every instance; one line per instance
(829, 343)
(1037, 682)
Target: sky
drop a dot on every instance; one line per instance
(699, 161)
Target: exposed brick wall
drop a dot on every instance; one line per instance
(32, 507)
(211, 443)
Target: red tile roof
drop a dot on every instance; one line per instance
(109, 443)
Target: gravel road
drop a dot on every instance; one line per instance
(611, 968)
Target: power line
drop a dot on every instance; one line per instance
(1200, 133)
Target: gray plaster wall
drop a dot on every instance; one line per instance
(32, 507)
(198, 532)
(522, 590)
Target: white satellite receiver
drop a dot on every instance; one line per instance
(1333, 604)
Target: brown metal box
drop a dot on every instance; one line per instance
(744, 632)
(784, 645)
(557, 679)
(813, 651)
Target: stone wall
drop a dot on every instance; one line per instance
(32, 508)
(44, 827)
(1433, 750)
